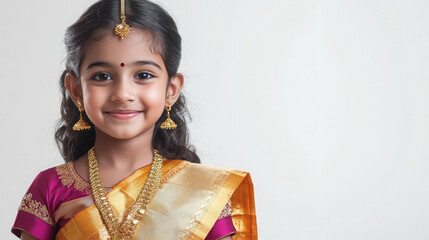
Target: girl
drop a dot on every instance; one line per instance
(130, 172)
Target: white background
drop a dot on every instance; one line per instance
(324, 102)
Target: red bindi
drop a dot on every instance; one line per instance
(122, 64)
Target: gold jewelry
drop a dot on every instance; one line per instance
(122, 29)
(134, 213)
(81, 124)
(168, 123)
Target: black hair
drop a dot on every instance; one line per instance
(100, 19)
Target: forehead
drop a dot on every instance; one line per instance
(136, 46)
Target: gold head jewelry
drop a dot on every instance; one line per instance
(122, 29)
(168, 123)
(81, 124)
(135, 212)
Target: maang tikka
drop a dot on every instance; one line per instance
(122, 29)
(81, 124)
(168, 123)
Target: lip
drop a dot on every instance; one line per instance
(123, 114)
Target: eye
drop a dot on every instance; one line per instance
(102, 77)
(144, 75)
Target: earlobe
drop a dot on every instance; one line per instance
(175, 87)
(73, 87)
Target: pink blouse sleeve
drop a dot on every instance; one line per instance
(34, 215)
(223, 226)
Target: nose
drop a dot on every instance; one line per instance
(123, 91)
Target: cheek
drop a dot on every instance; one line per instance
(93, 99)
(156, 94)
(153, 99)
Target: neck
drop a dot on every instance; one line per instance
(123, 155)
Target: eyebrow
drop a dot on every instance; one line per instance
(138, 63)
(146, 62)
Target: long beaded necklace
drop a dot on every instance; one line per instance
(124, 229)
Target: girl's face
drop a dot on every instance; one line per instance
(123, 85)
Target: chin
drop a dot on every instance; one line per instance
(128, 133)
(124, 135)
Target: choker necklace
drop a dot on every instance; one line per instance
(134, 213)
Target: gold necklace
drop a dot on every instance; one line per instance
(124, 229)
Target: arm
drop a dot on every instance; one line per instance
(34, 217)
(26, 236)
(226, 238)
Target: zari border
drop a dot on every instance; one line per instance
(35, 208)
(68, 176)
(227, 210)
(174, 171)
(193, 222)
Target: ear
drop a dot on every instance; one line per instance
(73, 87)
(175, 87)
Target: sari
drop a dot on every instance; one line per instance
(194, 201)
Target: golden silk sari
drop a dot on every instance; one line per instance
(186, 206)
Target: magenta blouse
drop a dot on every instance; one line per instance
(37, 213)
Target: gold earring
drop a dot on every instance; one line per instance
(168, 123)
(81, 124)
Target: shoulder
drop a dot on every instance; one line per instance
(218, 174)
(205, 167)
(62, 176)
(57, 184)
(41, 183)
(48, 190)
(47, 175)
(69, 177)
(53, 174)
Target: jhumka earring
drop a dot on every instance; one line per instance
(81, 124)
(168, 123)
(122, 29)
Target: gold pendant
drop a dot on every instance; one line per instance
(122, 29)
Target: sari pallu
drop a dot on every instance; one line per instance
(186, 206)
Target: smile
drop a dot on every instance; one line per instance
(123, 114)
